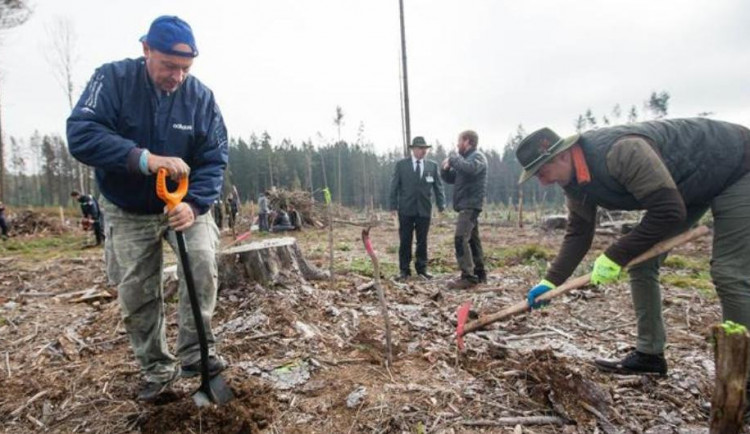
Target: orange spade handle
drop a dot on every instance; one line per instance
(172, 198)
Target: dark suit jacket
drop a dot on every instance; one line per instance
(410, 194)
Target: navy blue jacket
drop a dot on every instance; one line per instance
(89, 206)
(121, 113)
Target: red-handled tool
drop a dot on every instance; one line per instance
(211, 389)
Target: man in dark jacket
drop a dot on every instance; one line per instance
(218, 211)
(90, 210)
(466, 169)
(263, 223)
(414, 181)
(3, 223)
(135, 117)
(675, 170)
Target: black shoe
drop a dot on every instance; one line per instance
(215, 366)
(481, 277)
(425, 275)
(403, 277)
(463, 283)
(635, 363)
(152, 389)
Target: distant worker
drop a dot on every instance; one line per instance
(218, 212)
(415, 180)
(3, 223)
(137, 116)
(281, 222)
(231, 210)
(295, 218)
(263, 212)
(466, 169)
(673, 169)
(91, 213)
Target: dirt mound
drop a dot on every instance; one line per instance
(249, 412)
(29, 222)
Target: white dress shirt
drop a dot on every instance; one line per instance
(414, 166)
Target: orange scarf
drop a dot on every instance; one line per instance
(579, 162)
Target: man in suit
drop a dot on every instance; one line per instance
(414, 179)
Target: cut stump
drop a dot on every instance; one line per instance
(266, 262)
(731, 342)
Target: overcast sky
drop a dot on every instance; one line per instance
(488, 65)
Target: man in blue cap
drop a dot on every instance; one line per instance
(135, 117)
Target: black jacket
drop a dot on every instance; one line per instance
(468, 174)
(89, 206)
(410, 193)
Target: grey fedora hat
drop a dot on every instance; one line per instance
(419, 142)
(540, 147)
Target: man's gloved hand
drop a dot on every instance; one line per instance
(539, 289)
(605, 270)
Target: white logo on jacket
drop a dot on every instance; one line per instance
(182, 127)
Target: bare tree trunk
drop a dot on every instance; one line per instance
(308, 160)
(520, 208)
(2, 155)
(270, 167)
(338, 175)
(364, 182)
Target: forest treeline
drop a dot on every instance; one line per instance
(39, 170)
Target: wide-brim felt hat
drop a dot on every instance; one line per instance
(539, 148)
(419, 142)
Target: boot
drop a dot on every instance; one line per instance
(152, 389)
(635, 363)
(216, 364)
(464, 282)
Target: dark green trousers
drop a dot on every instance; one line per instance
(730, 268)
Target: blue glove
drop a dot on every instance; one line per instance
(539, 289)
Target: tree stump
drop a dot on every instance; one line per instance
(552, 222)
(266, 262)
(731, 343)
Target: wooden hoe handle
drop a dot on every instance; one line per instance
(582, 281)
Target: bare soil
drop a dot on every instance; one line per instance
(309, 357)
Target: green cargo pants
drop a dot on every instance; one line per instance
(136, 241)
(730, 268)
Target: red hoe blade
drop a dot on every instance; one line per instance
(463, 315)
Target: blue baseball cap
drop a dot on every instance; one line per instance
(166, 32)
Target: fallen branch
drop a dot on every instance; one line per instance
(263, 336)
(17, 411)
(607, 426)
(513, 421)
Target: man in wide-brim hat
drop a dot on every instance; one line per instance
(675, 170)
(415, 180)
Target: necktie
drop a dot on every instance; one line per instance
(417, 171)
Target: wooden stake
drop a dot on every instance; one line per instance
(731, 345)
(381, 294)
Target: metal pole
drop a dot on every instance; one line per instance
(407, 125)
